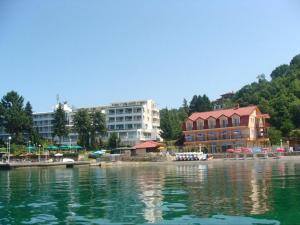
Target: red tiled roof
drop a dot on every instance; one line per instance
(242, 111)
(147, 144)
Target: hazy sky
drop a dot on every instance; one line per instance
(93, 52)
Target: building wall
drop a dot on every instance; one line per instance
(134, 121)
(228, 134)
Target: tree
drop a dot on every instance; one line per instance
(185, 106)
(274, 135)
(82, 125)
(98, 126)
(13, 116)
(165, 124)
(279, 71)
(296, 61)
(113, 141)
(60, 123)
(29, 125)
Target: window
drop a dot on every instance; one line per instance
(189, 138)
(189, 126)
(111, 111)
(120, 127)
(200, 124)
(224, 135)
(236, 121)
(212, 136)
(237, 134)
(200, 137)
(211, 123)
(224, 123)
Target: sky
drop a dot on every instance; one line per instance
(94, 52)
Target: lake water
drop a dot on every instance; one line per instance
(229, 192)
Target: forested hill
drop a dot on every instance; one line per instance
(279, 96)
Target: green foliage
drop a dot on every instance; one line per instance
(279, 97)
(296, 61)
(280, 71)
(89, 127)
(275, 136)
(113, 141)
(82, 125)
(200, 104)
(98, 128)
(171, 123)
(13, 116)
(60, 123)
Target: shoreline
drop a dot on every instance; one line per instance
(6, 166)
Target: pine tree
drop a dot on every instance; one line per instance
(60, 123)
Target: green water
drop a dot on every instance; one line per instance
(233, 192)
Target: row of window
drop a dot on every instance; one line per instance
(214, 136)
(124, 126)
(42, 123)
(212, 124)
(126, 111)
(126, 118)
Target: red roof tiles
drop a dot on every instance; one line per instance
(147, 144)
(243, 111)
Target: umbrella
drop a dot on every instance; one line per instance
(65, 147)
(280, 150)
(230, 150)
(77, 147)
(52, 147)
(246, 150)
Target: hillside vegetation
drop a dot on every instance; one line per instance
(279, 97)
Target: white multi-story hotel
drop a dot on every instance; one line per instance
(43, 123)
(133, 122)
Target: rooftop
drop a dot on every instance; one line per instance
(240, 111)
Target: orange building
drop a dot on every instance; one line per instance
(229, 128)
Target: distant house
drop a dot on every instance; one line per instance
(220, 102)
(228, 128)
(147, 147)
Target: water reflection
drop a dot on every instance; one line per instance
(153, 194)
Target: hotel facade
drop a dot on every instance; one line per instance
(229, 128)
(132, 121)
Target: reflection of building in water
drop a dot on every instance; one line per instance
(151, 185)
(192, 173)
(259, 183)
(239, 188)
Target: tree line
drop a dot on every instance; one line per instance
(16, 119)
(279, 97)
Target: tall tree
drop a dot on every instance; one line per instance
(165, 124)
(185, 106)
(60, 122)
(82, 125)
(98, 126)
(13, 116)
(29, 126)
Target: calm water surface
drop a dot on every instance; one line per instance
(235, 192)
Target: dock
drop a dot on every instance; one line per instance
(13, 165)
